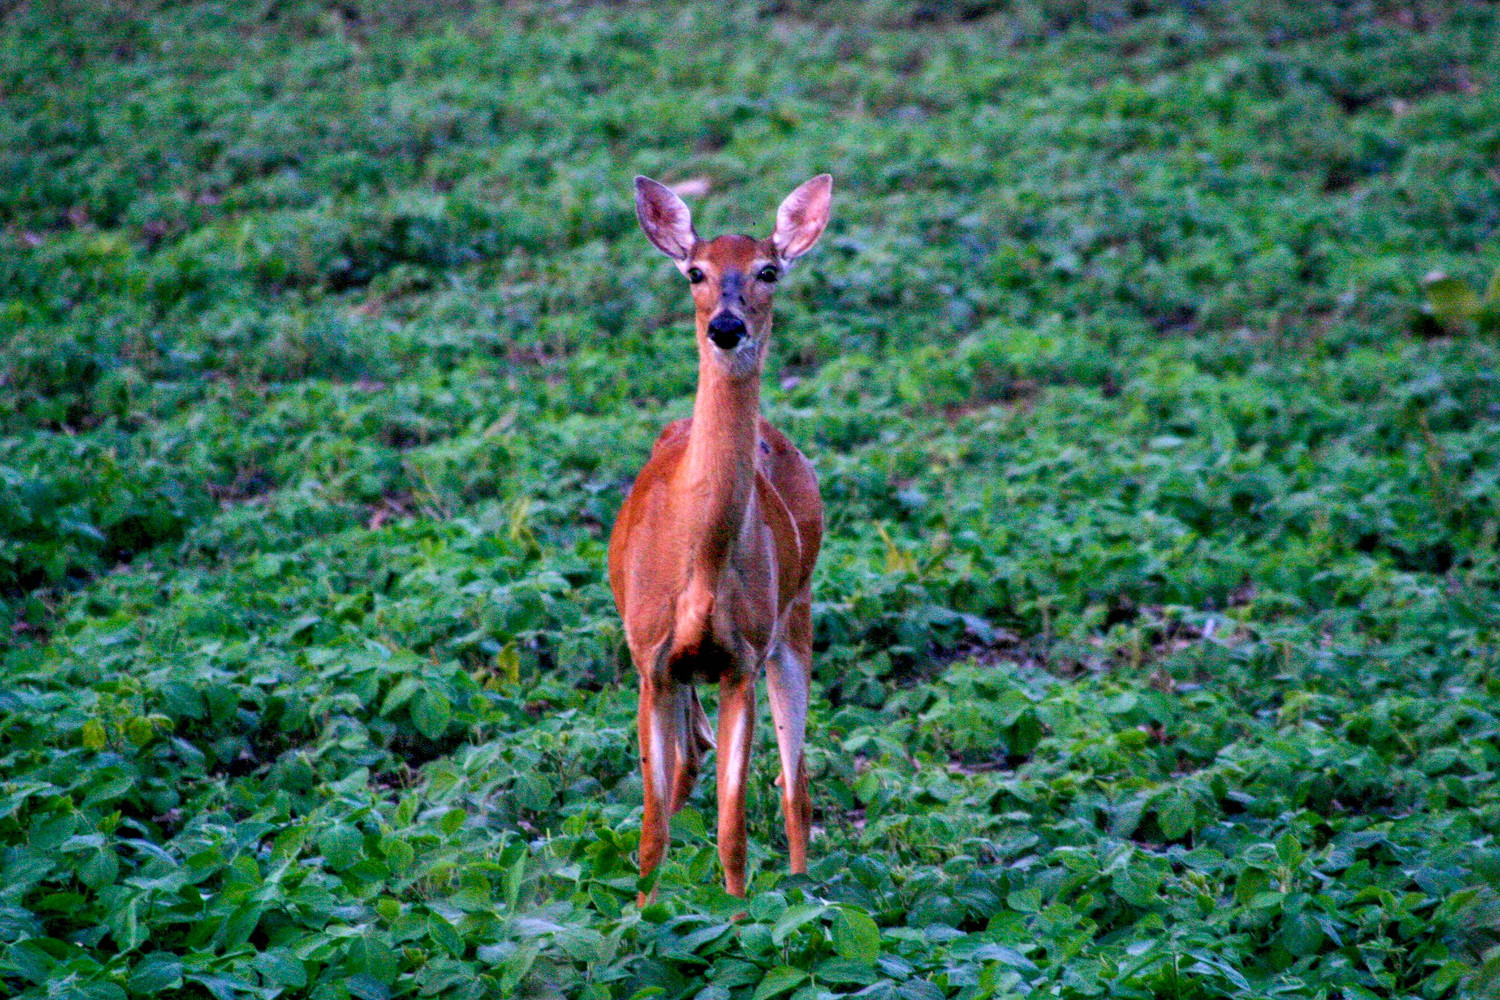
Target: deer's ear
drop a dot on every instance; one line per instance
(665, 219)
(801, 217)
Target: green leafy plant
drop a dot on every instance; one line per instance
(1156, 623)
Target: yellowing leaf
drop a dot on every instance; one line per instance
(508, 664)
(94, 737)
(1452, 301)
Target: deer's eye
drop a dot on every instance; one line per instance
(768, 274)
(694, 275)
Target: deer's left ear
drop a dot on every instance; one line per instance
(801, 218)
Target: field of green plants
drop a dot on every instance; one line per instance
(1150, 365)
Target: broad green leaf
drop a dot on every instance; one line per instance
(794, 917)
(452, 821)
(371, 954)
(430, 713)
(341, 845)
(442, 932)
(367, 987)
(517, 965)
(126, 926)
(533, 791)
(399, 854)
(515, 877)
(30, 959)
(1025, 900)
(1174, 814)
(400, 694)
(280, 968)
(288, 843)
(99, 869)
(767, 907)
(856, 937)
(1136, 884)
(919, 989)
(691, 942)
(1300, 933)
(444, 974)
(782, 979)
(240, 924)
(220, 985)
(155, 973)
(991, 952)
(845, 972)
(1289, 849)
(1250, 882)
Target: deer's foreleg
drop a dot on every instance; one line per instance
(656, 725)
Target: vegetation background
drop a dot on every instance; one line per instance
(1158, 618)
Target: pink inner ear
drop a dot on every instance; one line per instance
(798, 225)
(665, 219)
(662, 216)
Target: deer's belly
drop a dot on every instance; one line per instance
(704, 663)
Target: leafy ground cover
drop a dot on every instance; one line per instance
(1158, 616)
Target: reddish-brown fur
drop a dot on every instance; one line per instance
(712, 554)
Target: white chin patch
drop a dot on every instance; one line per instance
(739, 358)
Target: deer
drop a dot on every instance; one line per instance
(712, 553)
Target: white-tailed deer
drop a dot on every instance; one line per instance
(712, 555)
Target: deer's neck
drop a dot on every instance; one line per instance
(719, 464)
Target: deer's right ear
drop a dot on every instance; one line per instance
(801, 218)
(665, 219)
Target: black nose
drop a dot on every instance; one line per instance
(726, 330)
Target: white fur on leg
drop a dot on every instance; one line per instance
(786, 686)
(736, 755)
(658, 762)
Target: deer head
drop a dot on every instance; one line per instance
(733, 278)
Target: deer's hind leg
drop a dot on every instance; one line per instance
(788, 677)
(736, 735)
